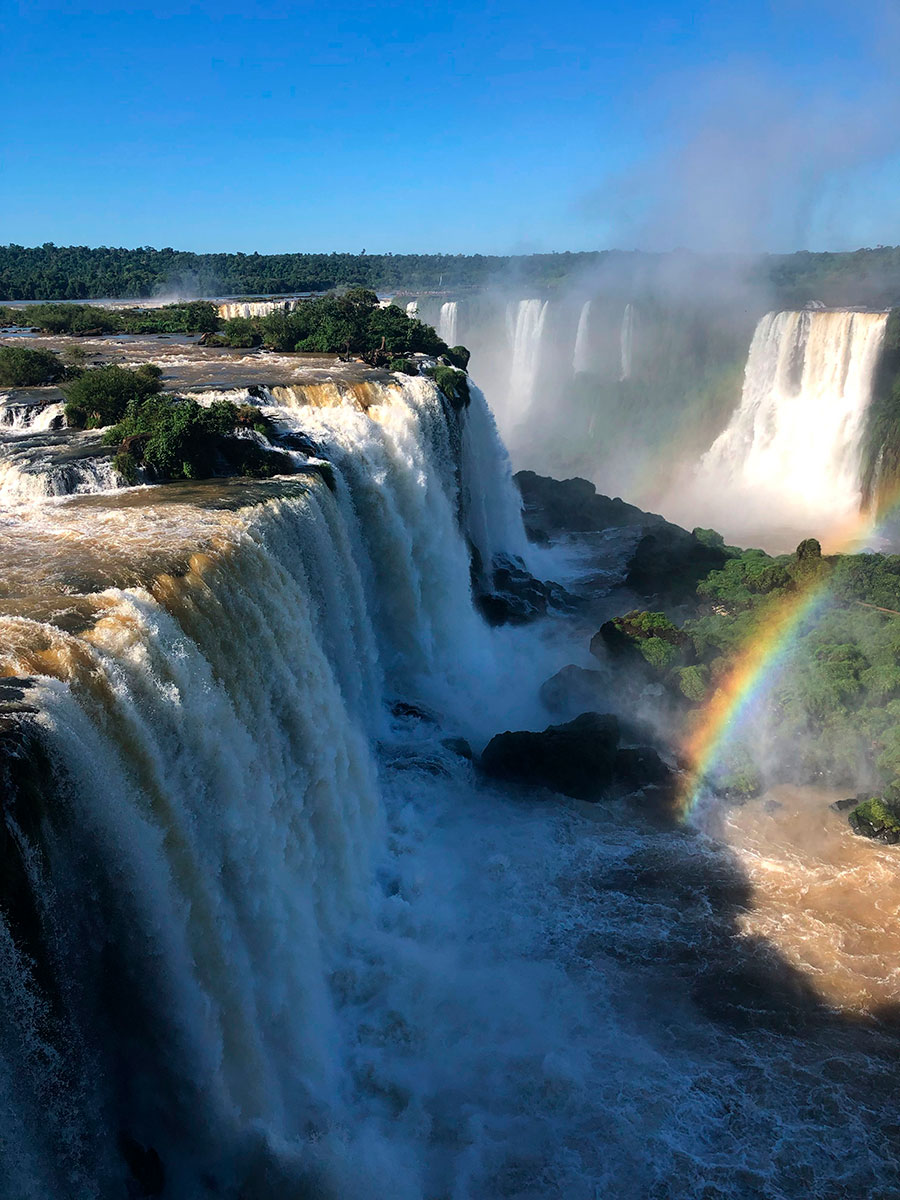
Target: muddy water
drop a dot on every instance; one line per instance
(829, 901)
(56, 551)
(187, 365)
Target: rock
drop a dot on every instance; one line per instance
(574, 690)
(516, 597)
(458, 746)
(877, 820)
(574, 506)
(148, 1176)
(641, 766)
(401, 708)
(668, 561)
(844, 805)
(577, 759)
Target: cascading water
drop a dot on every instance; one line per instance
(254, 308)
(266, 933)
(581, 357)
(626, 342)
(209, 722)
(793, 447)
(447, 322)
(526, 332)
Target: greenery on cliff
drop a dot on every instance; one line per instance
(833, 706)
(49, 272)
(881, 451)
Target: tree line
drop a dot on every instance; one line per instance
(49, 272)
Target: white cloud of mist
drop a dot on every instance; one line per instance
(751, 160)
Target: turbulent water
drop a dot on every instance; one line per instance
(272, 925)
(796, 440)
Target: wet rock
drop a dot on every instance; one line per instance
(577, 759)
(148, 1176)
(516, 597)
(573, 505)
(458, 746)
(402, 708)
(845, 805)
(641, 766)
(670, 562)
(574, 690)
(876, 819)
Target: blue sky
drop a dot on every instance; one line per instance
(473, 127)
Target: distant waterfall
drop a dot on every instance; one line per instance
(527, 330)
(795, 441)
(626, 342)
(581, 356)
(254, 308)
(447, 323)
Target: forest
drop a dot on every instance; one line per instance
(868, 276)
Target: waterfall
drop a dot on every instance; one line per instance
(526, 328)
(581, 360)
(254, 308)
(794, 444)
(447, 323)
(626, 342)
(207, 671)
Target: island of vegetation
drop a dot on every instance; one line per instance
(161, 436)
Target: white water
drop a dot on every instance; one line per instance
(19, 417)
(626, 342)
(447, 322)
(792, 453)
(581, 357)
(526, 322)
(255, 308)
(310, 954)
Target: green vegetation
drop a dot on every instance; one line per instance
(834, 704)
(878, 818)
(101, 396)
(80, 320)
(881, 455)
(869, 276)
(239, 332)
(351, 324)
(177, 438)
(453, 383)
(23, 367)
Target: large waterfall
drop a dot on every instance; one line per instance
(526, 326)
(792, 451)
(208, 669)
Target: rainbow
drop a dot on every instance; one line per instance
(760, 658)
